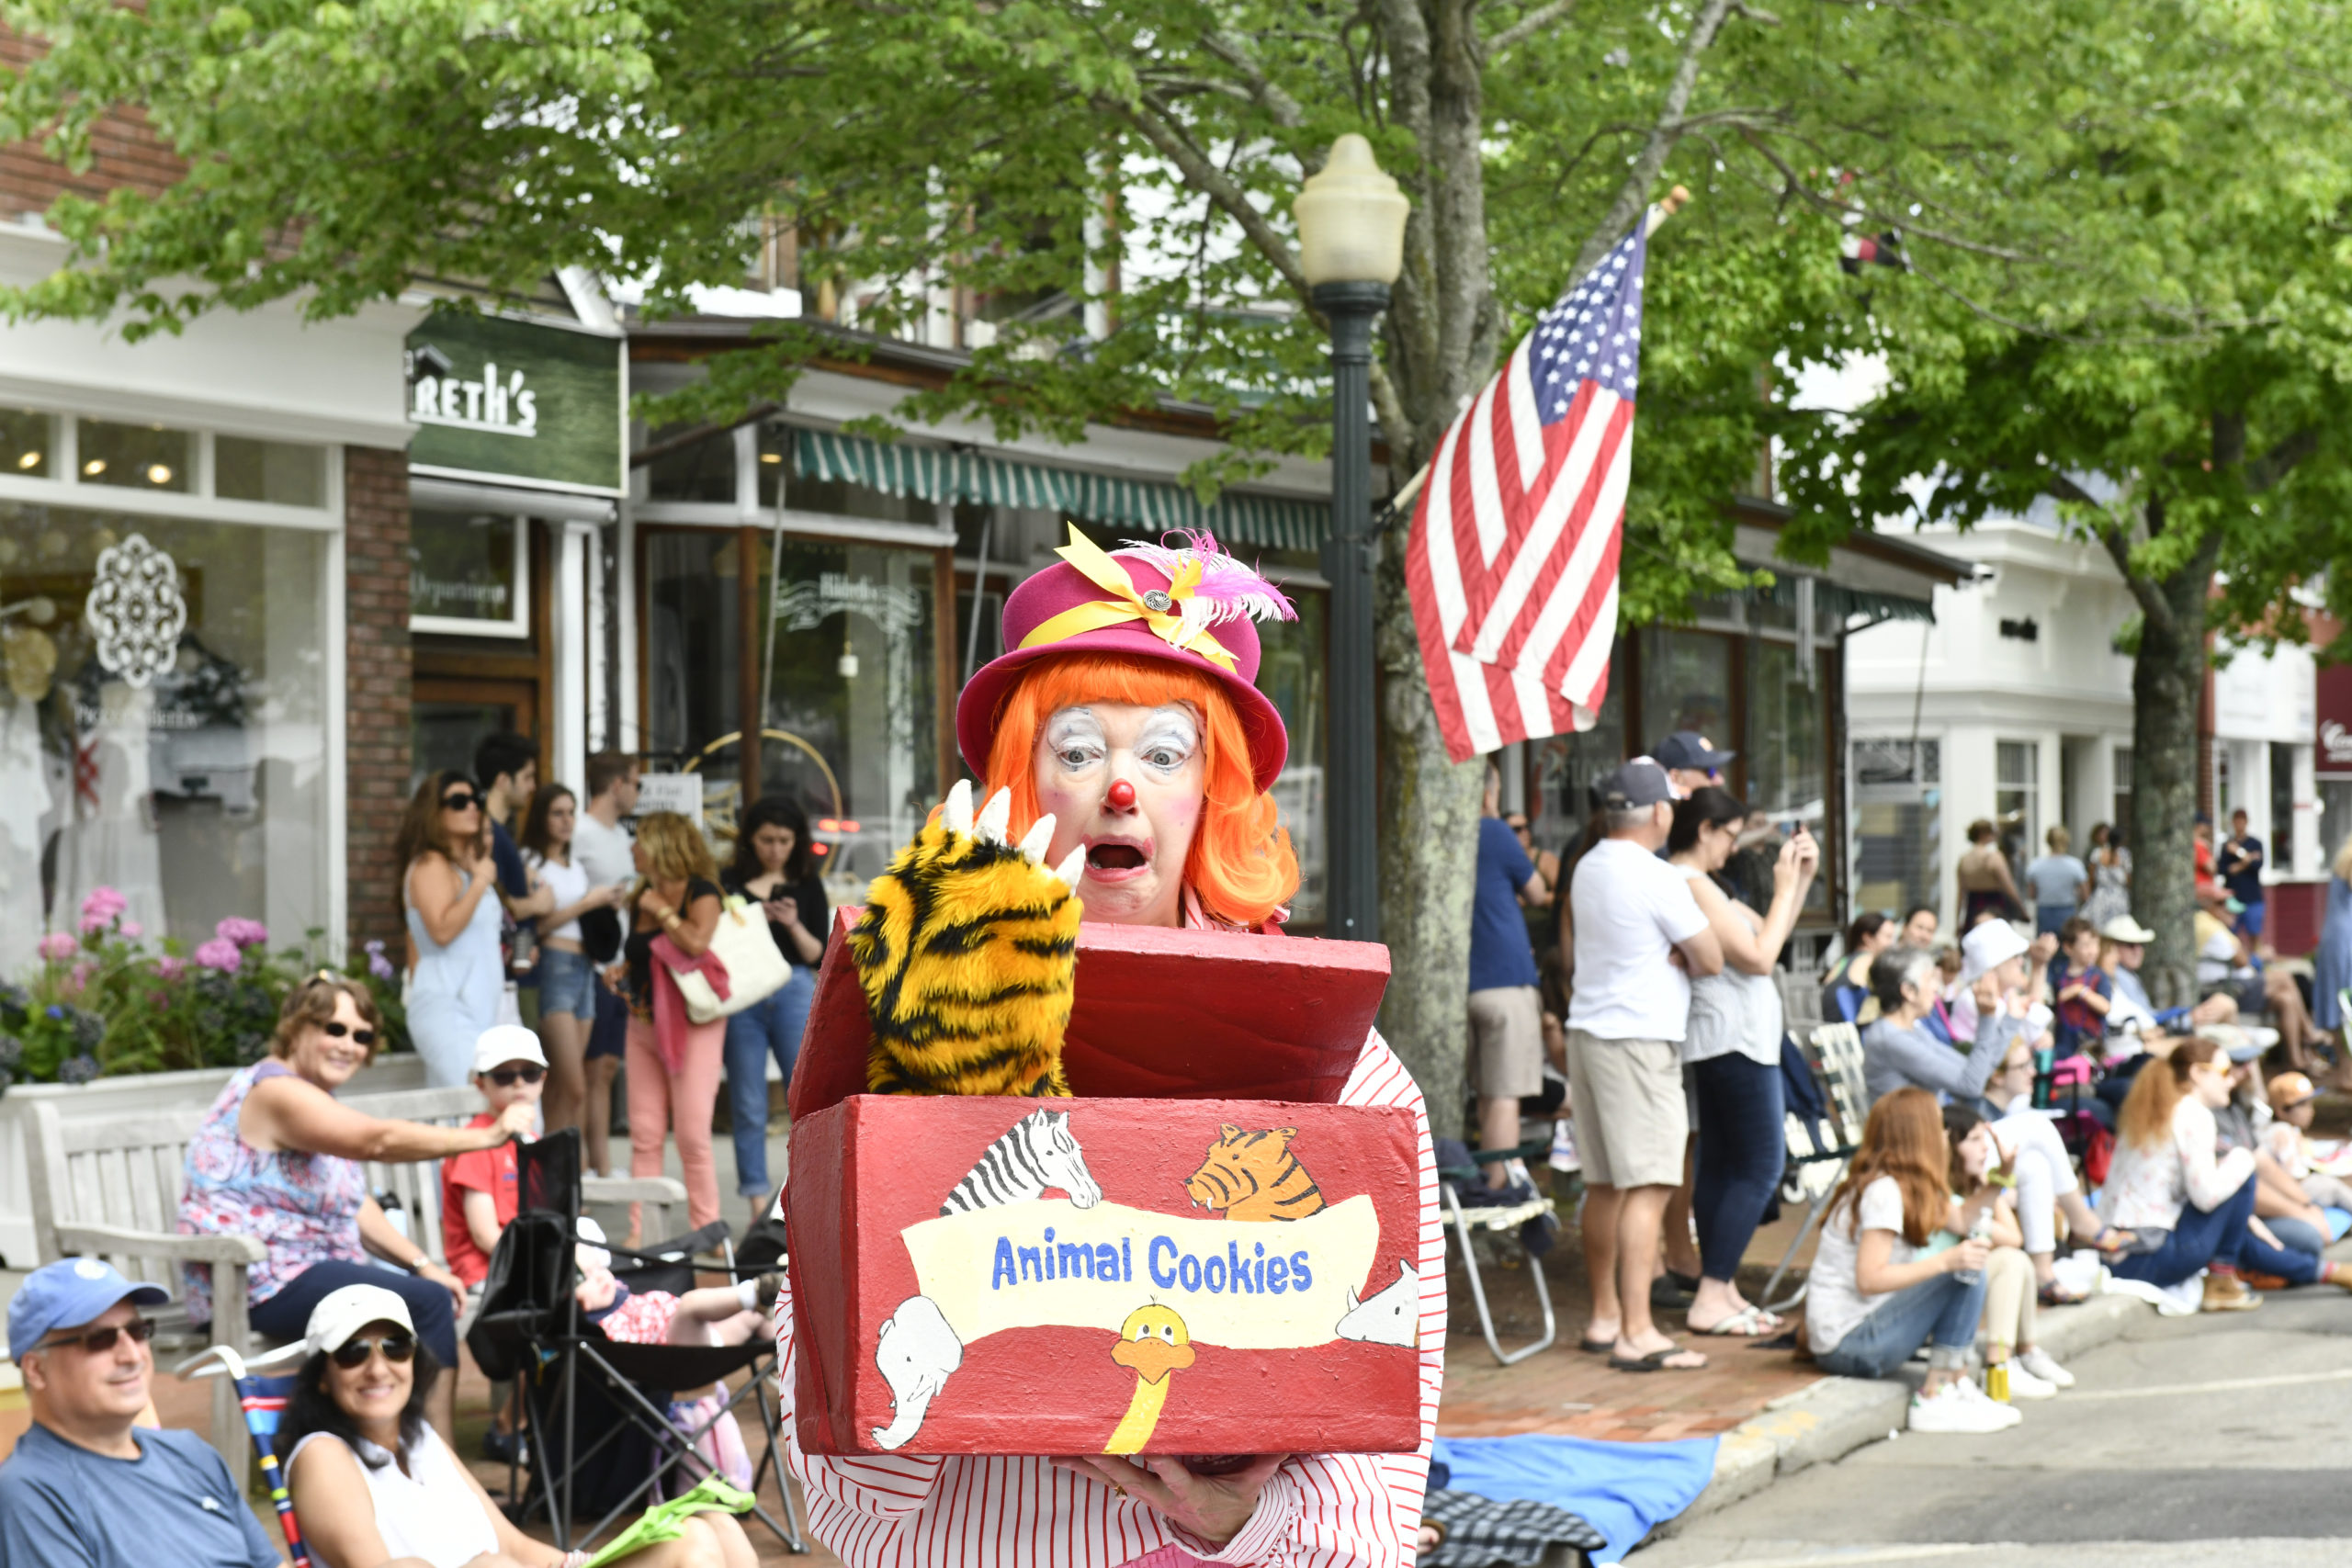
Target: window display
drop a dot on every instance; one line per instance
(162, 730)
(469, 573)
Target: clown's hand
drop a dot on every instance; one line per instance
(967, 951)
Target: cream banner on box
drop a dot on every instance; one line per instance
(1282, 1285)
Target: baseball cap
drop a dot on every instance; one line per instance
(502, 1043)
(2238, 1043)
(2123, 928)
(1986, 948)
(69, 1293)
(1689, 749)
(344, 1313)
(591, 1244)
(2290, 1089)
(1632, 786)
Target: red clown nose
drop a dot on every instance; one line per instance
(1122, 796)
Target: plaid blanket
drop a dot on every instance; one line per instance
(1481, 1532)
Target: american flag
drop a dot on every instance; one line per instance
(1512, 560)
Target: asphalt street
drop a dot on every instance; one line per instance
(2205, 1440)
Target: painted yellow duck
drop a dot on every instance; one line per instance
(1154, 1342)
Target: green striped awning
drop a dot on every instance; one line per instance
(941, 473)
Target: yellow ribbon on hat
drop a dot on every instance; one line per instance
(1129, 603)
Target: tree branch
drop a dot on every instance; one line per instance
(1527, 27)
(2277, 463)
(1276, 102)
(2112, 538)
(1151, 119)
(1634, 195)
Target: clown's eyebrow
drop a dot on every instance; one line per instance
(1072, 725)
(1173, 724)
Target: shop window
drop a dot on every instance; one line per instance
(2283, 860)
(1565, 767)
(1898, 824)
(285, 473)
(704, 470)
(2122, 817)
(1686, 685)
(182, 757)
(1293, 659)
(695, 659)
(25, 441)
(135, 456)
(852, 700)
(469, 573)
(2335, 821)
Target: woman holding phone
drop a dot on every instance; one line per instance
(774, 867)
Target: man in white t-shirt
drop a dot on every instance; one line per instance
(1639, 938)
(598, 840)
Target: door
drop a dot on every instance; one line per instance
(449, 715)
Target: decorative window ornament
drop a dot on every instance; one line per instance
(136, 611)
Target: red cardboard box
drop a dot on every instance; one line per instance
(1202, 1254)
(1155, 1305)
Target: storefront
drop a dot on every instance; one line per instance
(514, 479)
(842, 589)
(174, 531)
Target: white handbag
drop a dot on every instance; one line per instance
(746, 949)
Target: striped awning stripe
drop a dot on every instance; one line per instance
(940, 473)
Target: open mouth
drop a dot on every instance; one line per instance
(1114, 857)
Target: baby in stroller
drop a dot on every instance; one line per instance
(718, 1315)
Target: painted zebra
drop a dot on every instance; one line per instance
(1037, 1153)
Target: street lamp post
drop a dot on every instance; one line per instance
(1352, 245)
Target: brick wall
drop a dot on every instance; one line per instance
(125, 154)
(378, 663)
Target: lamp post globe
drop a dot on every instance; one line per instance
(1351, 247)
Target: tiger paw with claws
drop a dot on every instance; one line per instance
(966, 953)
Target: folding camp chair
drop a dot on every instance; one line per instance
(596, 1423)
(1454, 1216)
(263, 1400)
(1820, 1147)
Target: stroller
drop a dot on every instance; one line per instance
(599, 1435)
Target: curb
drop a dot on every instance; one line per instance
(1828, 1420)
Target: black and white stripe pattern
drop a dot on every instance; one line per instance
(1038, 1154)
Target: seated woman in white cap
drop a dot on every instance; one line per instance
(375, 1486)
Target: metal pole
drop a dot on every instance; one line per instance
(1352, 858)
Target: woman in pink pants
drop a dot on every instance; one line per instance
(674, 1064)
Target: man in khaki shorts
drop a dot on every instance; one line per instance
(1639, 938)
(1506, 1010)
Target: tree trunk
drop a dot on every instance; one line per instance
(1428, 861)
(2167, 680)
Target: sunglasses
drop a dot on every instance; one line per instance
(507, 1077)
(362, 1036)
(98, 1341)
(463, 800)
(352, 1354)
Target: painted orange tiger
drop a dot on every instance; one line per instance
(1253, 1176)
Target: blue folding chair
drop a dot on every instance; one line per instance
(263, 1399)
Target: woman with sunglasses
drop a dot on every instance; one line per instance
(374, 1483)
(278, 1160)
(447, 897)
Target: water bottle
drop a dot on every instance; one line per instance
(1980, 1231)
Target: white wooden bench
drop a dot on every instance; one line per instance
(110, 1186)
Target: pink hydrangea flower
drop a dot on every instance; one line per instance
(241, 931)
(131, 929)
(221, 954)
(59, 946)
(100, 905)
(170, 969)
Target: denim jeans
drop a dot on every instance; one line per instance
(1743, 1144)
(2218, 1236)
(767, 1028)
(1941, 1312)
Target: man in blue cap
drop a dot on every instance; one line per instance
(83, 1488)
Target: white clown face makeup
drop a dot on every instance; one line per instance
(1127, 782)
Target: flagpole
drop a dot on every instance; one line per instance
(1394, 507)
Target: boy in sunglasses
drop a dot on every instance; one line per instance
(85, 1485)
(479, 1196)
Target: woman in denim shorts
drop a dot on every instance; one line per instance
(567, 979)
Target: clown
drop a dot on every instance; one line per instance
(1121, 742)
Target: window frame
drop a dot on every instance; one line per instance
(517, 626)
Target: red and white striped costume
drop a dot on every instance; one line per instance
(1317, 1511)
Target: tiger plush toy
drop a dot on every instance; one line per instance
(966, 953)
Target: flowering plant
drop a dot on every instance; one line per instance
(109, 1003)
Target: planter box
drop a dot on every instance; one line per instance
(128, 1096)
(1227, 1263)
(1166, 1303)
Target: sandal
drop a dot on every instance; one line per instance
(2111, 1241)
(1750, 1322)
(1595, 1347)
(1658, 1361)
(2054, 1294)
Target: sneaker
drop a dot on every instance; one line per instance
(770, 1287)
(2024, 1383)
(2227, 1292)
(2009, 1413)
(2043, 1365)
(1950, 1409)
(1564, 1147)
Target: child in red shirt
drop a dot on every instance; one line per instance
(478, 1192)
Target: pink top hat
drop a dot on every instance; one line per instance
(1190, 604)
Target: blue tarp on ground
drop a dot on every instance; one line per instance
(1621, 1488)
